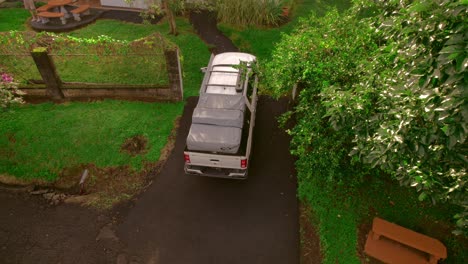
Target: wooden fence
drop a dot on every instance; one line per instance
(53, 88)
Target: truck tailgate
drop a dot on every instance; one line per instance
(214, 160)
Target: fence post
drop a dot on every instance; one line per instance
(46, 68)
(174, 71)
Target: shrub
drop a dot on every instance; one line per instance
(9, 92)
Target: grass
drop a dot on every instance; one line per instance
(133, 70)
(115, 29)
(40, 141)
(13, 19)
(194, 52)
(73, 65)
(56, 142)
(188, 42)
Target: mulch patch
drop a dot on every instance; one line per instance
(135, 145)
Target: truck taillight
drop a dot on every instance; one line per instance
(187, 158)
(243, 163)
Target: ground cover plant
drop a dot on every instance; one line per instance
(360, 98)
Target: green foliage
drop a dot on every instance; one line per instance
(250, 12)
(378, 96)
(39, 141)
(9, 92)
(323, 51)
(152, 12)
(414, 116)
(383, 91)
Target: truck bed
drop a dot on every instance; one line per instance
(219, 142)
(217, 123)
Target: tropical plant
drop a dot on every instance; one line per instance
(384, 92)
(322, 51)
(414, 124)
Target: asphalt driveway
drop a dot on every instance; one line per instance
(190, 219)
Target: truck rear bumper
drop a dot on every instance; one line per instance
(216, 172)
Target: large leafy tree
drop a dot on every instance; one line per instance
(388, 91)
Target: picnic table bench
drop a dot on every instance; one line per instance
(82, 9)
(46, 15)
(44, 8)
(392, 243)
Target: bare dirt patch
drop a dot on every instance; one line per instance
(135, 145)
(310, 242)
(112, 184)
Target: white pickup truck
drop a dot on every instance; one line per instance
(219, 142)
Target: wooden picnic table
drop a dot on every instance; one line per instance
(60, 4)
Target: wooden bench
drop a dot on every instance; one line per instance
(44, 8)
(392, 243)
(82, 9)
(46, 15)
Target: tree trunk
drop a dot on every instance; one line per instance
(170, 16)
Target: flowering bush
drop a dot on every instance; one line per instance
(9, 92)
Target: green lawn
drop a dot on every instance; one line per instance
(13, 19)
(130, 70)
(194, 51)
(39, 141)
